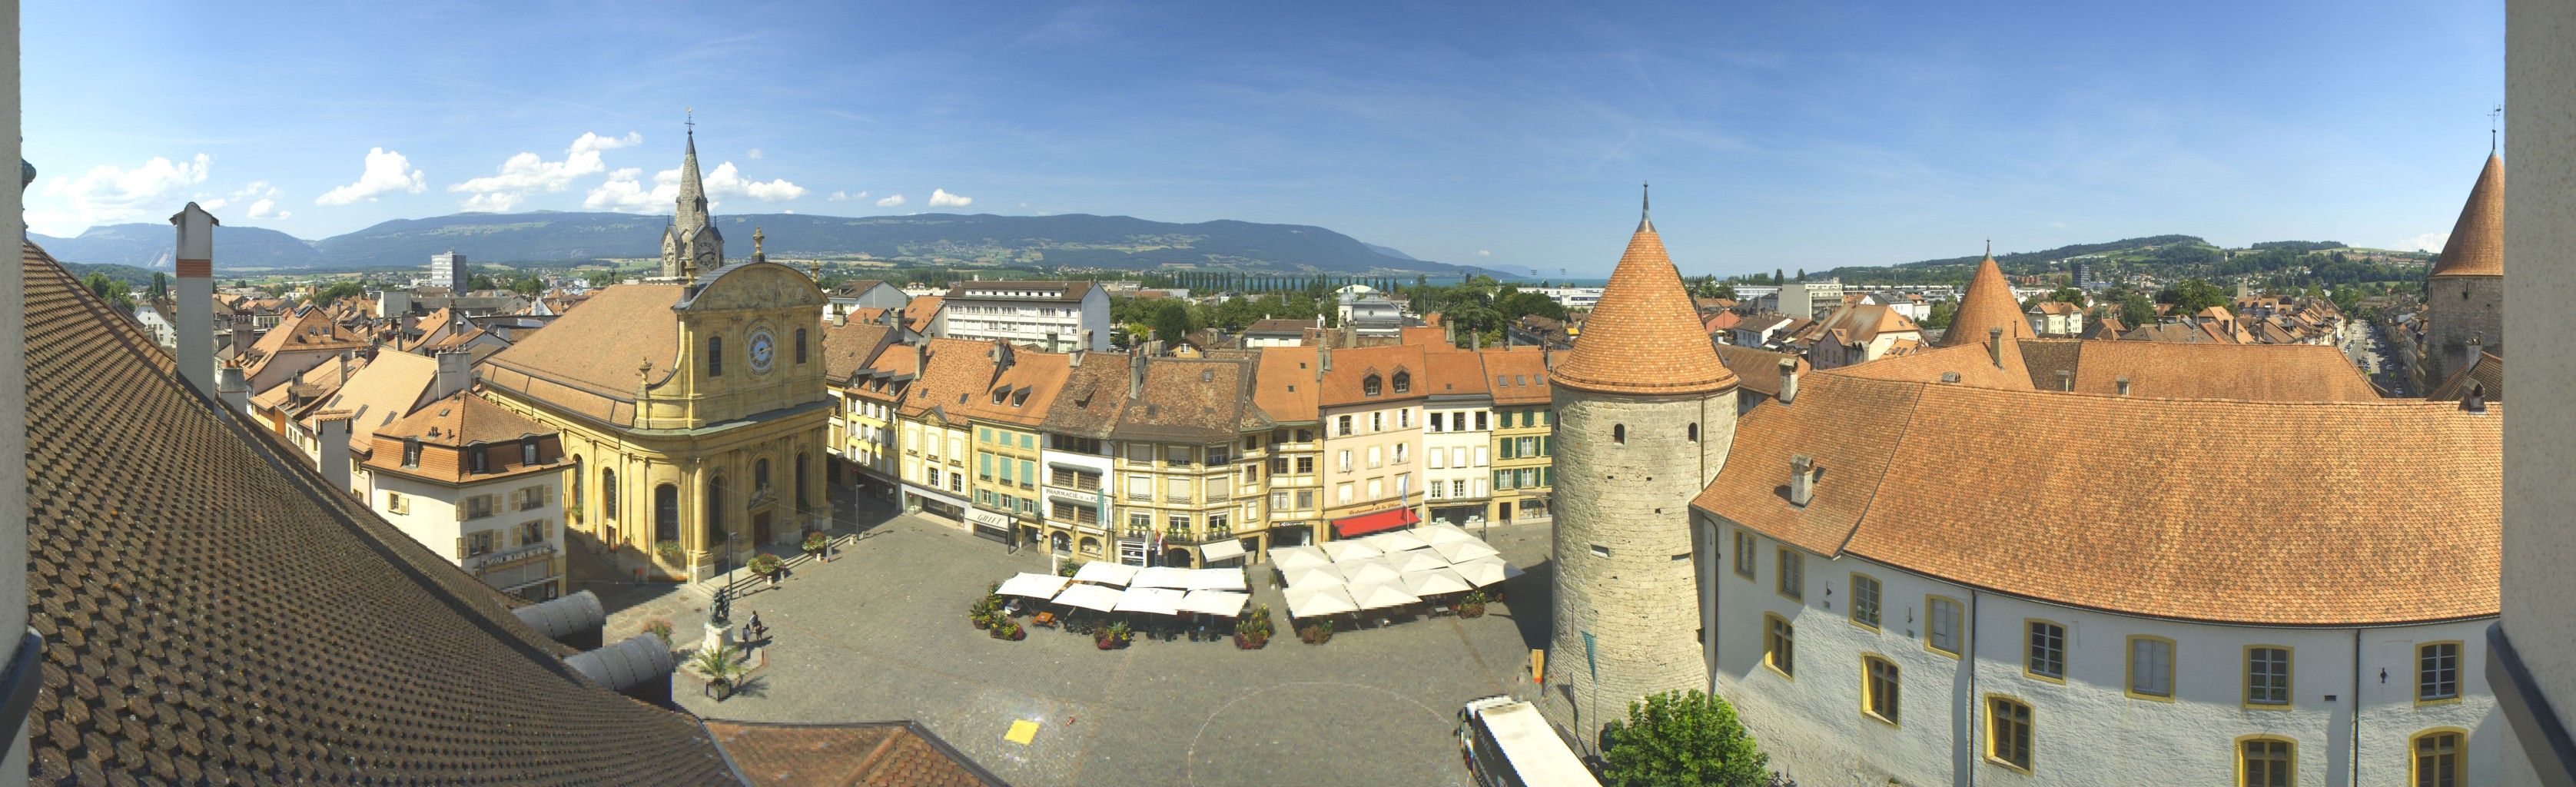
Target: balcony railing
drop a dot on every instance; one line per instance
(1196, 537)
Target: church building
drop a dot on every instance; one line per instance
(693, 410)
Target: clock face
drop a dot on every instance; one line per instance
(763, 348)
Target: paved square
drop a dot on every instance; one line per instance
(880, 633)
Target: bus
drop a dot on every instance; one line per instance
(1506, 744)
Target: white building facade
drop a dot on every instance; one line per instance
(1457, 454)
(1055, 316)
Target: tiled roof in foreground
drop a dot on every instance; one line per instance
(2259, 513)
(213, 614)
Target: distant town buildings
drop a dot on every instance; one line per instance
(449, 270)
(1056, 316)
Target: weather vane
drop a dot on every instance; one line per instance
(692, 121)
(2495, 121)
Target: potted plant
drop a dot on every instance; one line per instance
(983, 618)
(1253, 631)
(1016, 633)
(816, 544)
(766, 566)
(1473, 605)
(669, 550)
(721, 666)
(1068, 569)
(1317, 633)
(1120, 635)
(659, 628)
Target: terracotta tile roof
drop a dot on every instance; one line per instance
(2485, 377)
(1859, 324)
(1723, 320)
(1758, 370)
(890, 754)
(1026, 389)
(386, 390)
(1094, 394)
(1519, 375)
(2058, 308)
(1455, 373)
(1426, 335)
(2167, 332)
(1346, 382)
(1972, 363)
(1192, 399)
(323, 381)
(1987, 303)
(1279, 326)
(1286, 384)
(2247, 531)
(1644, 336)
(457, 422)
(2476, 247)
(918, 313)
(849, 346)
(308, 330)
(585, 361)
(2247, 372)
(182, 613)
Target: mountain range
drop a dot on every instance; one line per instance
(932, 239)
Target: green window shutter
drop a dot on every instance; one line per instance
(1028, 471)
(1543, 448)
(1502, 479)
(1028, 441)
(1547, 477)
(1005, 470)
(1507, 449)
(984, 464)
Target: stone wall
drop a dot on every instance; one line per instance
(1623, 565)
(2456, 320)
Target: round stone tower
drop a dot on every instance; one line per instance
(1644, 413)
(2464, 292)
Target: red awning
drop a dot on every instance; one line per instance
(1364, 524)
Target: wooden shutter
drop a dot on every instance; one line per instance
(460, 547)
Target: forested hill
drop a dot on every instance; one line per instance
(943, 240)
(2167, 257)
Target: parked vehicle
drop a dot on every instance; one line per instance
(1506, 744)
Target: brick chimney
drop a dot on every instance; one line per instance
(455, 372)
(331, 429)
(1802, 480)
(195, 294)
(1788, 380)
(233, 390)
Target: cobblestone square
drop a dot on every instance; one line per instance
(880, 633)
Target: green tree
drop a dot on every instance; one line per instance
(1677, 739)
(2067, 295)
(1171, 320)
(1939, 316)
(1726, 290)
(528, 285)
(604, 278)
(339, 290)
(116, 293)
(480, 282)
(2136, 310)
(2189, 296)
(160, 286)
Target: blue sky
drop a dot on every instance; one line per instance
(1510, 135)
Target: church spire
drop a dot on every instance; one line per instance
(1645, 207)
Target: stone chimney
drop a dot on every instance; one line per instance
(1135, 375)
(1477, 339)
(1323, 360)
(195, 294)
(455, 372)
(233, 390)
(920, 358)
(2124, 386)
(1074, 359)
(1788, 380)
(331, 429)
(1350, 335)
(1802, 480)
(1995, 346)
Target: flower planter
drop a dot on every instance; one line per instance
(1018, 634)
(1250, 643)
(1103, 644)
(982, 622)
(1471, 610)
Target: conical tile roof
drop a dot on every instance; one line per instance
(1987, 303)
(2476, 247)
(1644, 337)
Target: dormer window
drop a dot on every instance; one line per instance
(1369, 386)
(528, 451)
(1403, 382)
(411, 452)
(477, 461)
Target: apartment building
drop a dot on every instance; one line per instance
(480, 484)
(935, 441)
(1054, 315)
(1457, 438)
(1078, 481)
(1370, 403)
(1523, 472)
(862, 437)
(1284, 389)
(1191, 457)
(1005, 409)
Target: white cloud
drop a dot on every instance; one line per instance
(2430, 241)
(267, 209)
(753, 155)
(529, 172)
(109, 193)
(492, 202)
(726, 181)
(384, 175)
(1484, 253)
(844, 196)
(890, 201)
(262, 197)
(940, 198)
(624, 192)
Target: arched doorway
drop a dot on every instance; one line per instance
(1177, 557)
(1062, 544)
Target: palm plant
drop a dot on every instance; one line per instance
(721, 666)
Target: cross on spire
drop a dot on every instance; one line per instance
(692, 122)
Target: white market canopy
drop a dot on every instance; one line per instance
(1292, 558)
(1348, 550)
(1228, 549)
(1162, 577)
(1217, 579)
(1367, 571)
(1486, 571)
(1215, 602)
(1319, 575)
(1152, 601)
(1463, 551)
(1033, 585)
(1319, 600)
(1415, 560)
(1435, 535)
(1436, 582)
(1394, 541)
(1105, 573)
(1091, 597)
(1371, 595)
